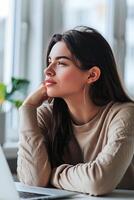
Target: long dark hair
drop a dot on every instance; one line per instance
(91, 49)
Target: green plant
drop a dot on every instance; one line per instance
(16, 93)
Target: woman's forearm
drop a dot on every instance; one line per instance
(33, 165)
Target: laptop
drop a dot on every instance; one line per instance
(10, 190)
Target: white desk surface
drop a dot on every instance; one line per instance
(115, 195)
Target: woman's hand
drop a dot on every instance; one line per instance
(37, 97)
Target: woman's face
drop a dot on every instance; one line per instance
(62, 76)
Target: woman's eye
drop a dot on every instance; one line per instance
(61, 63)
(57, 63)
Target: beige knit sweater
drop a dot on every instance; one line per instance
(106, 143)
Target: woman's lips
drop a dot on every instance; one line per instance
(49, 82)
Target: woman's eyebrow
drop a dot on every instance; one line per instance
(60, 57)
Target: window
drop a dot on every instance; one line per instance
(21, 48)
(129, 62)
(10, 43)
(94, 13)
(6, 39)
(6, 47)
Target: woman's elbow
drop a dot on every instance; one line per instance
(97, 188)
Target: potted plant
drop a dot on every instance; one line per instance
(14, 94)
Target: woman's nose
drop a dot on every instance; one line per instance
(49, 71)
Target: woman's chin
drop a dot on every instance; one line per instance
(52, 94)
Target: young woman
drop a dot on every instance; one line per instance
(77, 128)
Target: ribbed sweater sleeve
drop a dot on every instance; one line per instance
(33, 165)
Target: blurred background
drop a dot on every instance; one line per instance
(26, 27)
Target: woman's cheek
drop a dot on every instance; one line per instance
(66, 76)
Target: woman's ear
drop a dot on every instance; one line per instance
(93, 74)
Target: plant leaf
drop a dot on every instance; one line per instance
(20, 85)
(16, 103)
(2, 92)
